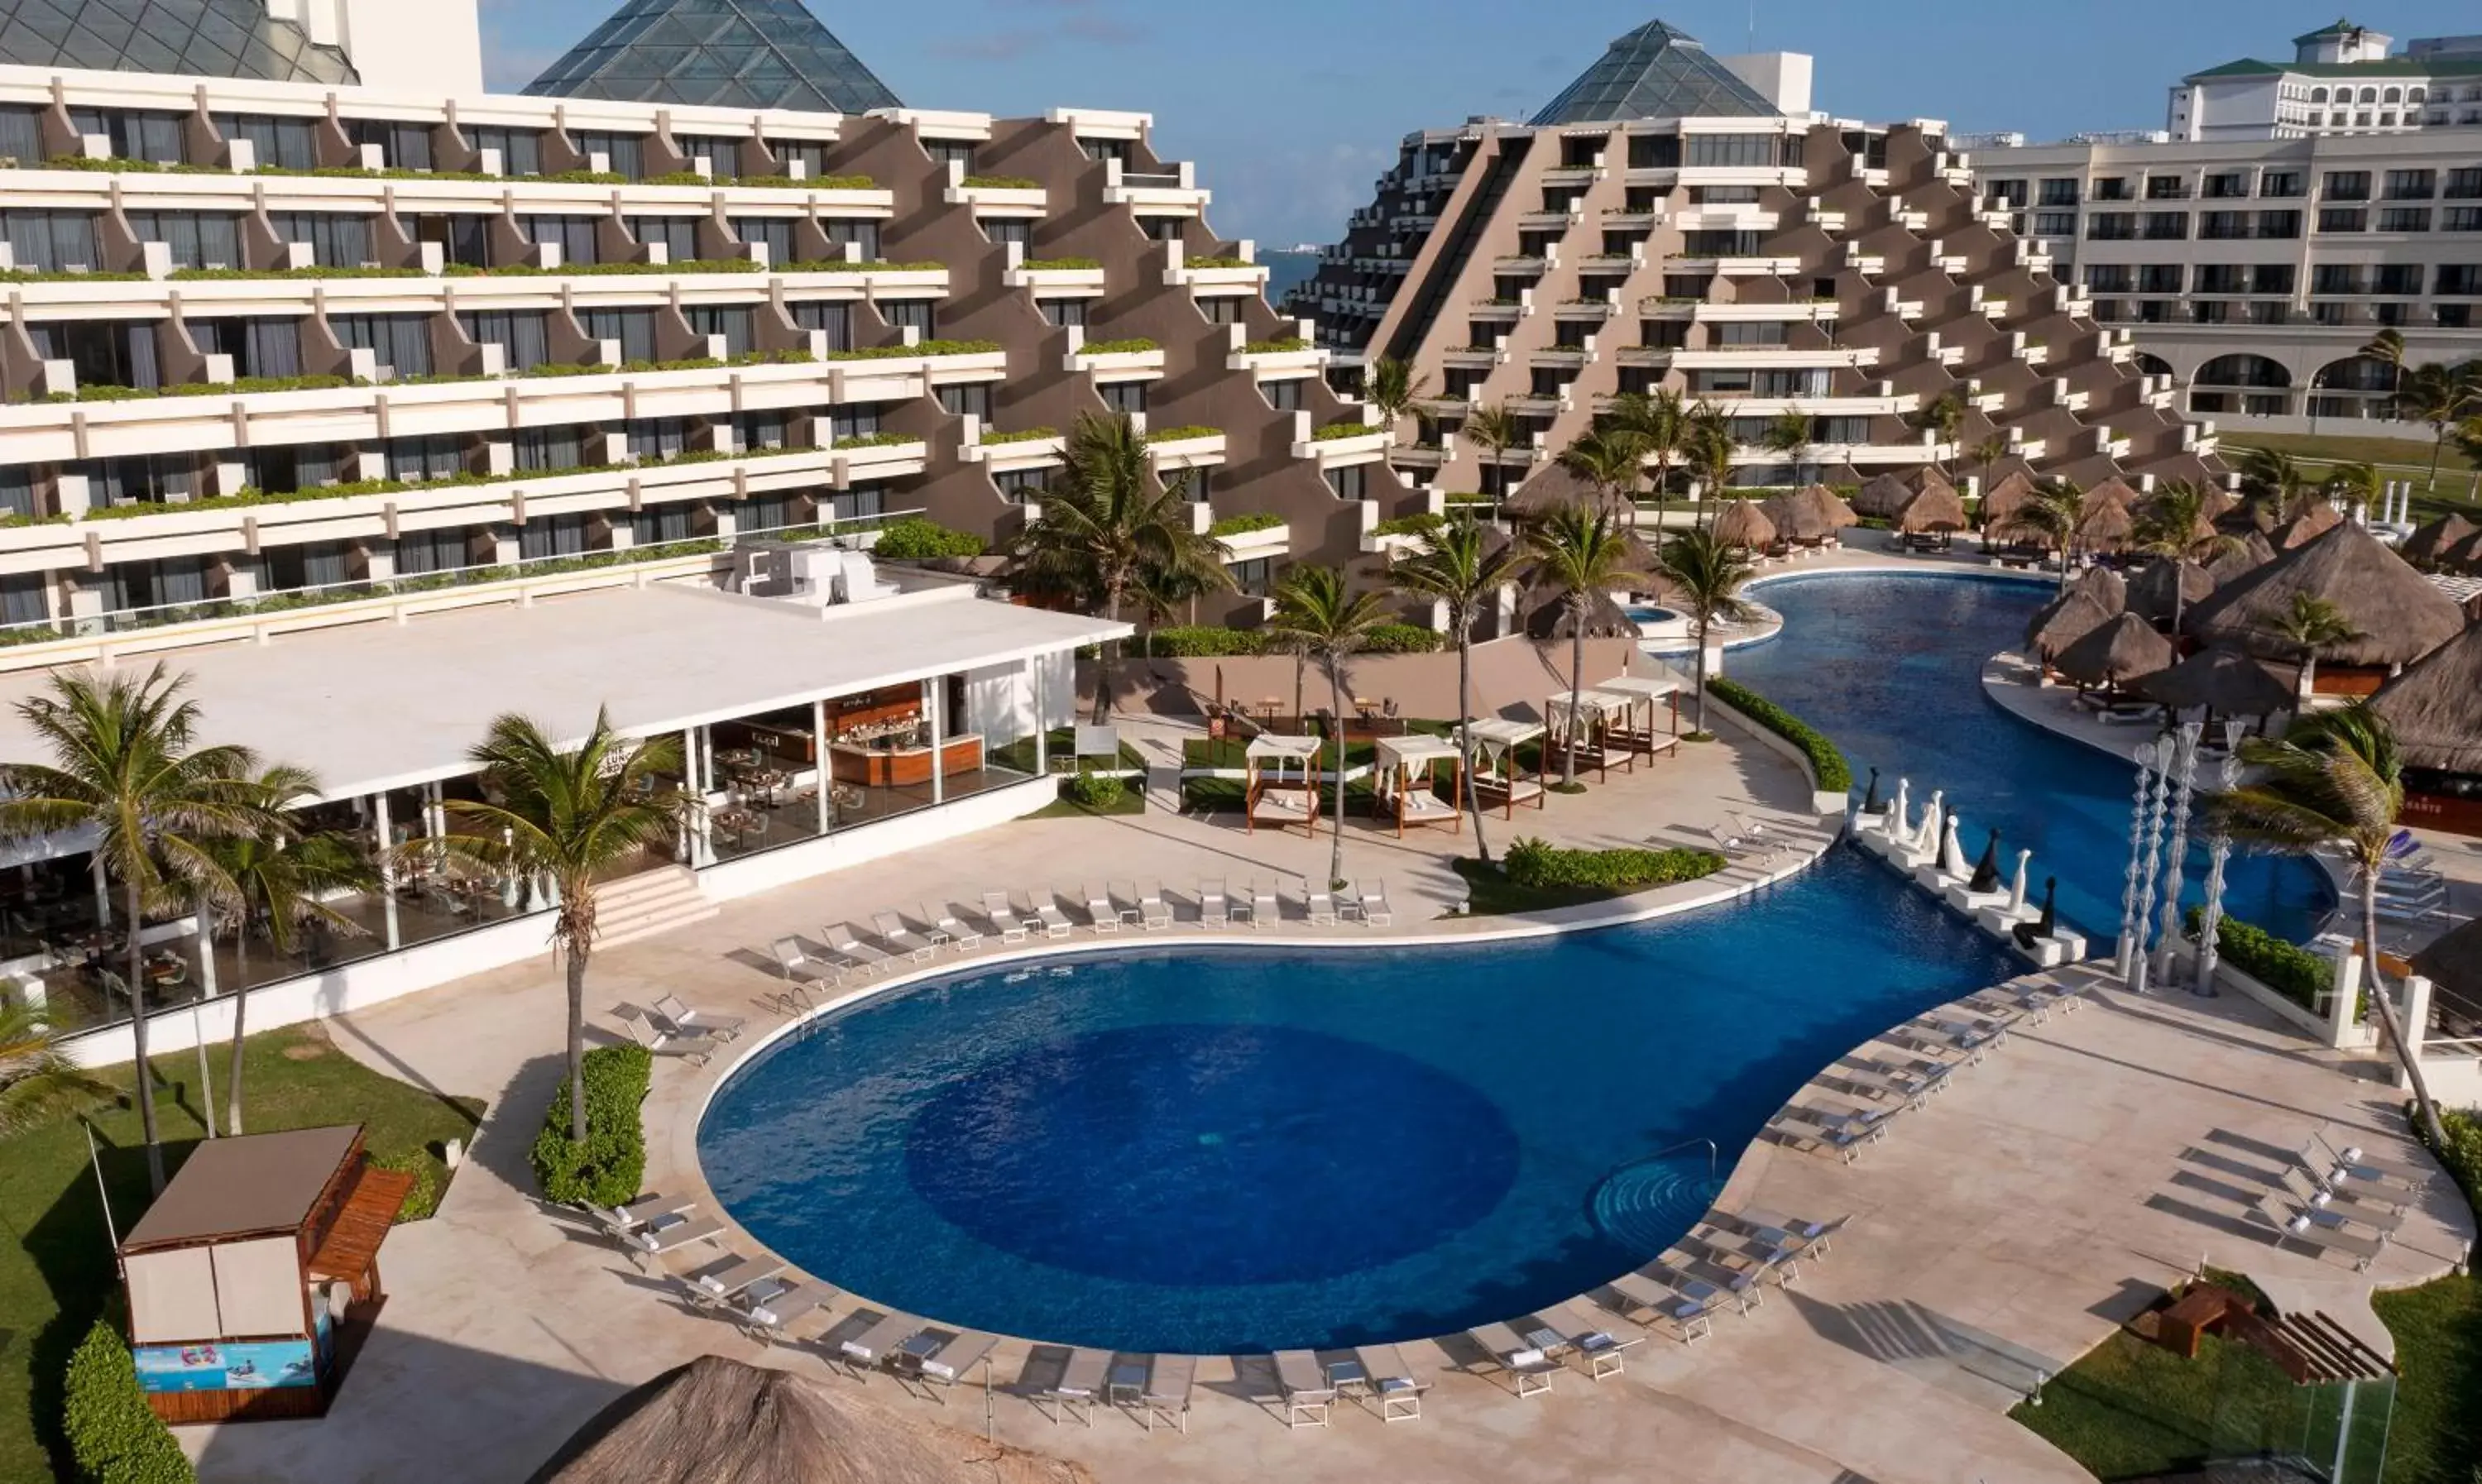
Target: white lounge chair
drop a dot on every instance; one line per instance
(945, 927)
(1102, 913)
(2331, 1205)
(694, 1050)
(1154, 915)
(1599, 1350)
(938, 1363)
(2350, 1163)
(1002, 914)
(1374, 910)
(1392, 1383)
(771, 1306)
(1529, 1365)
(1081, 1381)
(1170, 1381)
(2323, 1237)
(1055, 922)
(647, 1209)
(841, 940)
(1214, 911)
(1239, 908)
(1686, 1304)
(1309, 1400)
(1321, 904)
(658, 1239)
(716, 1284)
(803, 975)
(686, 1022)
(893, 932)
(1266, 907)
(870, 1349)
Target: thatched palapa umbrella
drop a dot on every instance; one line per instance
(2107, 588)
(1604, 618)
(2123, 650)
(2227, 682)
(2303, 529)
(2252, 552)
(1552, 488)
(721, 1422)
(2436, 706)
(2151, 593)
(2453, 962)
(1882, 498)
(1742, 523)
(2005, 498)
(2104, 524)
(2114, 490)
(1936, 509)
(2430, 544)
(2061, 623)
(2396, 613)
(1808, 515)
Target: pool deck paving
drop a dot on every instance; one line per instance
(1997, 1232)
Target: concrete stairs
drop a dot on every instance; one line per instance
(649, 902)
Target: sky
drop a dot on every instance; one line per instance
(1292, 108)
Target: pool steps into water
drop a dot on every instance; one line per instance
(1927, 852)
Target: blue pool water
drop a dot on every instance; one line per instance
(1890, 668)
(1227, 1150)
(1203, 1151)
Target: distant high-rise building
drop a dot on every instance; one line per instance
(1676, 222)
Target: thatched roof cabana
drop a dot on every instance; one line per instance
(2397, 615)
(2301, 530)
(2123, 649)
(2114, 490)
(723, 1421)
(2061, 623)
(1742, 523)
(2252, 553)
(2430, 544)
(2436, 706)
(2453, 962)
(2104, 524)
(2227, 682)
(1810, 513)
(2150, 592)
(1553, 487)
(1549, 618)
(1882, 498)
(2466, 556)
(2107, 588)
(2006, 496)
(1938, 508)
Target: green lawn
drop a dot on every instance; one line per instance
(2130, 1409)
(56, 1272)
(2396, 454)
(1133, 801)
(1019, 754)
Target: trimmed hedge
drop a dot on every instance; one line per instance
(1835, 774)
(1187, 642)
(1402, 639)
(1095, 790)
(2463, 1154)
(1242, 525)
(917, 540)
(1539, 865)
(112, 1437)
(606, 1169)
(2292, 970)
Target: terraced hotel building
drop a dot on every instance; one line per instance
(1675, 220)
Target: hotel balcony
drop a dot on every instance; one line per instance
(1594, 310)
(1339, 444)
(1789, 177)
(1054, 277)
(1295, 354)
(1247, 545)
(1550, 221)
(1559, 358)
(1620, 219)
(1501, 311)
(1240, 273)
(1574, 175)
(1114, 360)
(1726, 218)
(1006, 451)
(1445, 407)
(1526, 404)
(1473, 357)
(995, 195)
(1185, 448)
(1173, 193)
(1771, 357)
(1736, 267)
(1534, 267)
(1814, 311)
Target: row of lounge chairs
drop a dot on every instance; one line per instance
(674, 1029)
(1851, 1105)
(2339, 1201)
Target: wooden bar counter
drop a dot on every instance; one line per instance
(904, 767)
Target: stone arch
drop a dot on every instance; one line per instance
(2152, 365)
(2243, 369)
(2317, 94)
(2355, 372)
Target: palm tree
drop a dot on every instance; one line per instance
(569, 817)
(1461, 568)
(2309, 625)
(2442, 397)
(1108, 527)
(1494, 430)
(2051, 514)
(124, 766)
(1708, 447)
(280, 880)
(2334, 781)
(1581, 554)
(1986, 455)
(1661, 422)
(1390, 385)
(2274, 485)
(2174, 524)
(1316, 611)
(2387, 347)
(2356, 483)
(1610, 459)
(37, 1082)
(1788, 435)
(1945, 420)
(1706, 577)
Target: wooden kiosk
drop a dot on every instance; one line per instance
(1407, 781)
(1273, 795)
(240, 1276)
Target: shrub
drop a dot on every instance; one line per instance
(1020, 435)
(1095, 790)
(1280, 345)
(422, 1200)
(2292, 970)
(1239, 526)
(2462, 1153)
(1421, 523)
(1343, 430)
(112, 1435)
(1001, 183)
(1130, 346)
(917, 540)
(1061, 264)
(926, 348)
(1179, 434)
(607, 1167)
(1834, 774)
(1200, 643)
(1539, 866)
(1404, 638)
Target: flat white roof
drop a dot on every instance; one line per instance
(389, 706)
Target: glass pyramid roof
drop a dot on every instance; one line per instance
(1655, 72)
(201, 38)
(721, 53)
